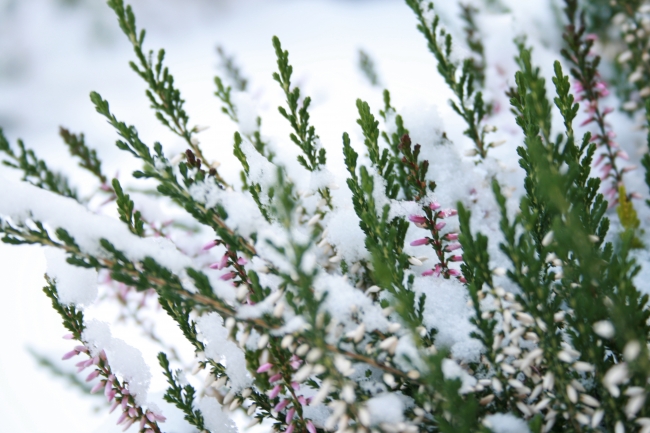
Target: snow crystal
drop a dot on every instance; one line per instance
(386, 407)
(218, 346)
(345, 235)
(125, 360)
(506, 423)
(75, 285)
(215, 418)
(451, 370)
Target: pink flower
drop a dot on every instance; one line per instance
(290, 414)
(451, 236)
(265, 367)
(440, 225)
(92, 375)
(623, 155)
(68, 337)
(221, 264)
(452, 247)
(275, 391)
(418, 242)
(310, 427)
(427, 272)
(417, 219)
(99, 385)
(435, 205)
(587, 121)
(290, 428)
(295, 386)
(209, 245)
(70, 354)
(275, 377)
(462, 280)
(282, 405)
(437, 269)
(241, 261)
(227, 276)
(456, 259)
(454, 272)
(114, 406)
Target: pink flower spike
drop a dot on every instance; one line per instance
(418, 242)
(607, 110)
(282, 405)
(143, 420)
(454, 272)
(310, 427)
(427, 273)
(594, 137)
(150, 416)
(275, 391)
(111, 395)
(133, 412)
(265, 367)
(417, 219)
(451, 236)
(241, 261)
(437, 269)
(440, 225)
(302, 401)
(435, 205)
(92, 375)
(227, 276)
(290, 428)
(70, 354)
(456, 259)
(108, 387)
(209, 245)
(295, 386)
(275, 377)
(600, 159)
(68, 337)
(452, 212)
(623, 155)
(462, 280)
(160, 417)
(295, 364)
(629, 168)
(452, 247)
(290, 414)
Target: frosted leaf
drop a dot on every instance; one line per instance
(75, 285)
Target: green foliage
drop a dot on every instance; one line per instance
(88, 157)
(367, 67)
(35, 170)
(125, 207)
(304, 134)
(181, 396)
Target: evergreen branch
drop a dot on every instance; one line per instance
(88, 157)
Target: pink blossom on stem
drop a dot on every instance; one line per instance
(133, 412)
(290, 414)
(587, 121)
(418, 242)
(275, 377)
(265, 367)
(68, 337)
(295, 385)
(70, 354)
(275, 391)
(417, 219)
(310, 427)
(227, 276)
(302, 401)
(99, 385)
(241, 261)
(434, 206)
(454, 272)
(121, 419)
(92, 375)
(427, 273)
(452, 247)
(456, 259)
(440, 225)
(290, 428)
(114, 406)
(209, 245)
(282, 405)
(451, 236)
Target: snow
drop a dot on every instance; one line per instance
(75, 285)
(451, 370)
(218, 347)
(215, 419)
(125, 361)
(386, 407)
(506, 423)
